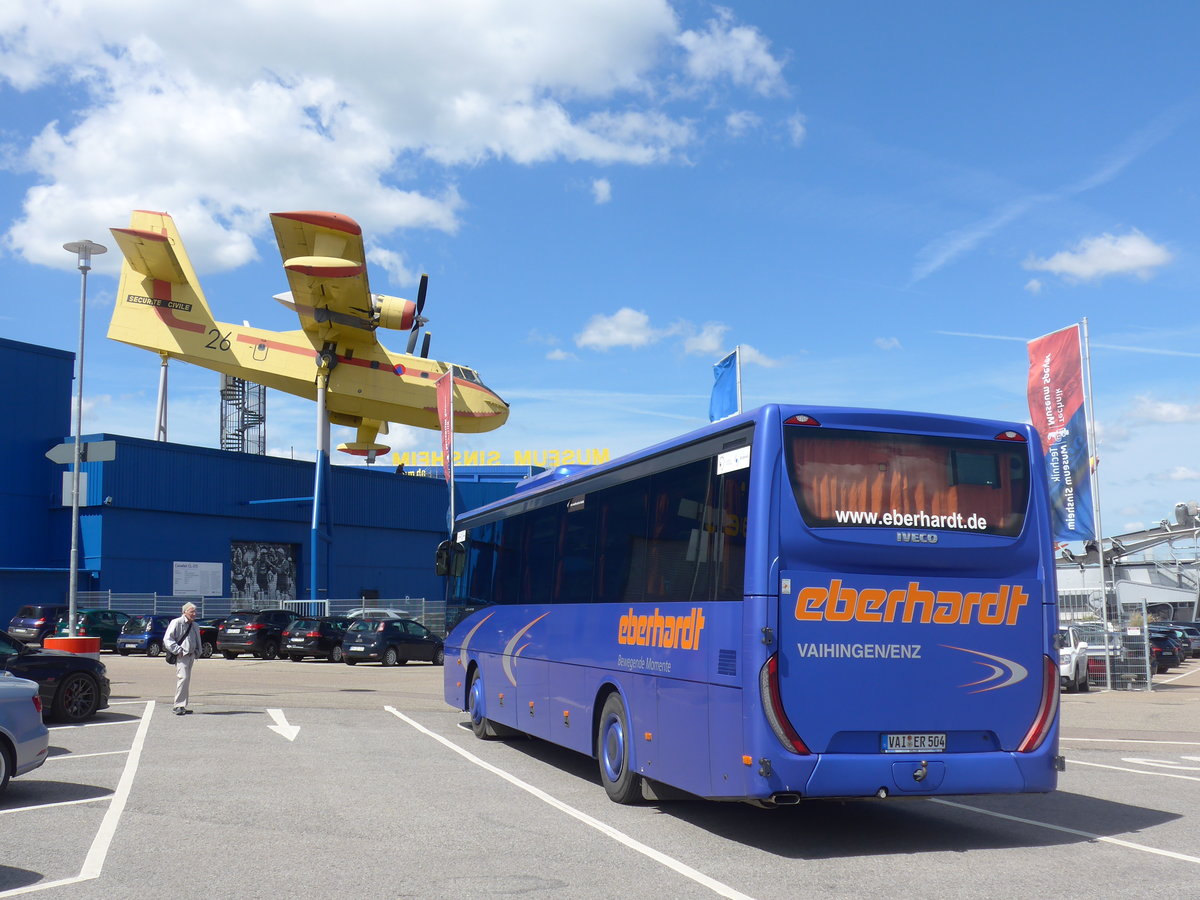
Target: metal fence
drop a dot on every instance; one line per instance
(430, 613)
(1118, 649)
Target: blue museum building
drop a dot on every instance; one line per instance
(157, 514)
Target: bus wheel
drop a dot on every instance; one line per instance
(476, 706)
(622, 784)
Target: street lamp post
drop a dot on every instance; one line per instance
(85, 250)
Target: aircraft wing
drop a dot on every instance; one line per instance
(326, 269)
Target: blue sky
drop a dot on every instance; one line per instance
(880, 203)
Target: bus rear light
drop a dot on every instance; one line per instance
(772, 701)
(1011, 436)
(1047, 710)
(801, 419)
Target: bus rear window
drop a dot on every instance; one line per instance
(862, 479)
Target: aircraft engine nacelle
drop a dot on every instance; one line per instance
(394, 312)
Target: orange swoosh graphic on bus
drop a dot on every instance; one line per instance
(506, 660)
(1008, 669)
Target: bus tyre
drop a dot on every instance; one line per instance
(622, 784)
(483, 728)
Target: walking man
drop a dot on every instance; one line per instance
(183, 642)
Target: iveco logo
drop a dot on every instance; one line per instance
(916, 537)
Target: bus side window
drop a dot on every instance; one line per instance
(541, 542)
(620, 542)
(681, 533)
(576, 554)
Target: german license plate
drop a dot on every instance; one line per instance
(233, 631)
(297, 640)
(914, 743)
(358, 649)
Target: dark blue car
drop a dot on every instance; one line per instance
(32, 623)
(143, 634)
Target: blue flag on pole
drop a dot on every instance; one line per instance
(724, 400)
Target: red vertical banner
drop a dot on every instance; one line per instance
(445, 407)
(1056, 409)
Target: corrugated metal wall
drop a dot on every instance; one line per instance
(36, 409)
(157, 503)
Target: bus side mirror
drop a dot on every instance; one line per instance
(451, 558)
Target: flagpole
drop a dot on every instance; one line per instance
(451, 485)
(737, 364)
(1094, 475)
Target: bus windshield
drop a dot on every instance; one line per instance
(844, 478)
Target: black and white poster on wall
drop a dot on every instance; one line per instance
(261, 570)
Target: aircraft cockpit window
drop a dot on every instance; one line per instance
(466, 374)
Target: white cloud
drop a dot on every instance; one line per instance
(1033, 286)
(229, 113)
(624, 328)
(753, 356)
(738, 52)
(1147, 409)
(392, 263)
(601, 190)
(558, 354)
(888, 343)
(740, 121)
(1184, 473)
(707, 341)
(633, 329)
(1098, 257)
(797, 127)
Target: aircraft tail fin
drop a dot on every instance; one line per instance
(159, 305)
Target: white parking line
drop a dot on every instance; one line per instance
(1177, 677)
(1076, 762)
(686, 871)
(1085, 834)
(97, 724)
(1131, 741)
(86, 755)
(20, 809)
(94, 862)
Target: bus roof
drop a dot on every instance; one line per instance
(866, 418)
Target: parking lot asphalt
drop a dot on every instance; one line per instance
(326, 779)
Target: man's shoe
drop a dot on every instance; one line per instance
(179, 711)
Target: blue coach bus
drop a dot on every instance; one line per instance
(794, 602)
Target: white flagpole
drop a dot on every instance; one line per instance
(1094, 477)
(737, 365)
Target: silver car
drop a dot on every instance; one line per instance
(24, 739)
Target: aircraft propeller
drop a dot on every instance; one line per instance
(419, 320)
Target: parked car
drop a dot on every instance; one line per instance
(209, 629)
(105, 624)
(1165, 652)
(1072, 659)
(143, 634)
(321, 638)
(376, 613)
(24, 738)
(255, 631)
(392, 642)
(1187, 635)
(72, 687)
(32, 623)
